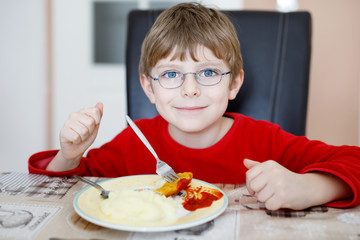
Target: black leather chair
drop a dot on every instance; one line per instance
(276, 50)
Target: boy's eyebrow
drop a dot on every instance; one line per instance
(170, 65)
(218, 64)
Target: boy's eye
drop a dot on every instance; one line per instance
(209, 73)
(171, 74)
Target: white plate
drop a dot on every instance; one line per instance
(87, 205)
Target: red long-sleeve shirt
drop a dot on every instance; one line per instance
(220, 163)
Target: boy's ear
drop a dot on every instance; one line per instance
(146, 85)
(236, 85)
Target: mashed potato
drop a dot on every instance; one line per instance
(145, 205)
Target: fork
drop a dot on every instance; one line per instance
(162, 168)
(104, 193)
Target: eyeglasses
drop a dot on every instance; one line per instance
(174, 79)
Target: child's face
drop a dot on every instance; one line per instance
(192, 107)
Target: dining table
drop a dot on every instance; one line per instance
(40, 207)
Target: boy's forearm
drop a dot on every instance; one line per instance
(60, 164)
(324, 188)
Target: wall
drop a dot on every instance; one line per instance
(335, 71)
(22, 82)
(333, 112)
(78, 82)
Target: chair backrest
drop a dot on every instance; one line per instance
(276, 50)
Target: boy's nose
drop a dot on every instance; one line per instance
(190, 86)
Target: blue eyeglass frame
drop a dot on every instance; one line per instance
(196, 77)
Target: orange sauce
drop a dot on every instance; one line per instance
(200, 197)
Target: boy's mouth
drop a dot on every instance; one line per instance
(190, 109)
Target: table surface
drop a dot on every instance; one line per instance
(40, 207)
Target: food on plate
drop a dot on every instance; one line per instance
(134, 202)
(194, 198)
(200, 197)
(169, 189)
(134, 205)
(161, 204)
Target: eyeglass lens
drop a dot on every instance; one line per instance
(174, 79)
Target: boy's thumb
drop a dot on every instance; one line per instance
(250, 163)
(100, 106)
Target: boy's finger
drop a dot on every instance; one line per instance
(251, 192)
(250, 163)
(68, 135)
(80, 131)
(100, 106)
(93, 112)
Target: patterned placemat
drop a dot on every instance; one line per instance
(35, 185)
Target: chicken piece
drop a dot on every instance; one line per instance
(173, 188)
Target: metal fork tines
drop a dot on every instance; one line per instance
(163, 169)
(104, 193)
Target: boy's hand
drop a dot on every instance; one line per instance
(276, 186)
(76, 136)
(80, 131)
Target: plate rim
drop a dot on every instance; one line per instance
(173, 227)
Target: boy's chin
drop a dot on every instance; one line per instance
(190, 127)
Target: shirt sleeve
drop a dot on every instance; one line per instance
(108, 160)
(302, 155)
(39, 161)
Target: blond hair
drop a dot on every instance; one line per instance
(187, 26)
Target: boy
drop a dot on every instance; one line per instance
(190, 67)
